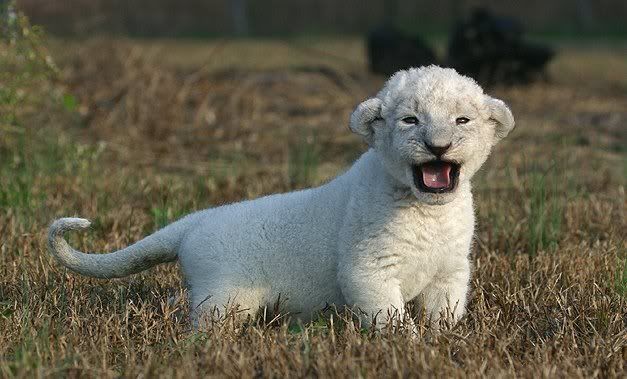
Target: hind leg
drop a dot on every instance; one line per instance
(222, 303)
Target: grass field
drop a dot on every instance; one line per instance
(133, 134)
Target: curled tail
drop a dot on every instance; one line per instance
(159, 247)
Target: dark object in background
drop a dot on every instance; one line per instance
(390, 50)
(492, 49)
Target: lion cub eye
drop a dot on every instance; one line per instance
(461, 120)
(410, 120)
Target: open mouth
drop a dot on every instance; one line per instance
(436, 176)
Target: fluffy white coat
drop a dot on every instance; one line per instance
(370, 239)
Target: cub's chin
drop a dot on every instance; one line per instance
(433, 198)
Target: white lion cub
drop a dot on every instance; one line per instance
(397, 225)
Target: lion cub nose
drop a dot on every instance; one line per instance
(438, 150)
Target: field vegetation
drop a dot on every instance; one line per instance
(133, 134)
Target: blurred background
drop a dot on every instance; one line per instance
(253, 97)
(210, 18)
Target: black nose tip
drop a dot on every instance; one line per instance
(438, 150)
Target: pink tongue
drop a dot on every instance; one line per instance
(436, 175)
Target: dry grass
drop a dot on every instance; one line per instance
(152, 136)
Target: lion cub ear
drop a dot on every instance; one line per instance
(364, 116)
(502, 118)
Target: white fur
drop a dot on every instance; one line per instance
(368, 239)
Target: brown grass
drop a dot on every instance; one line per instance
(154, 135)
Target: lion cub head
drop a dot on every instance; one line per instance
(432, 129)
